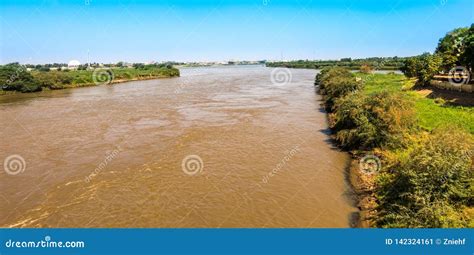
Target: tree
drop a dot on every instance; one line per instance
(467, 57)
(430, 65)
(423, 67)
(451, 47)
(410, 67)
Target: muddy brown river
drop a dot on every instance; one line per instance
(216, 147)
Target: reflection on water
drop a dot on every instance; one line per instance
(111, 156)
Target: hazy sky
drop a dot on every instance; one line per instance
(212, 30)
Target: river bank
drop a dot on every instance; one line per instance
(395, 136)
(92, 84)
(16, 78)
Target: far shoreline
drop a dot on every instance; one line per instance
(25, 81)
(85, 85)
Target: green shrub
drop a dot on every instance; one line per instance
(423, 67)
(317, 80)
(370, 121)
(329, 73)
(341, 86)
(31, 87)
(336, 82)
(15, 77)
(429, 184)
(53, 79)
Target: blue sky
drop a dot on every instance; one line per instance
(211, 30)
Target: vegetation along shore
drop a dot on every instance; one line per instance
(19, 78)
(379, 63)
(413, 154)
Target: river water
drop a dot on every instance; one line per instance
(216, 147)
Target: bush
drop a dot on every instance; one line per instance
(341, 86)
(336, 82)
(367, 122)
(329, 73)
(317, 79)
(429, 184)
(15, 77)
(423, 67)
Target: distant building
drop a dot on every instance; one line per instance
(73, 64)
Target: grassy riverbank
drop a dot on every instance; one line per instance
(412, 154)
(16, 78)
(431, 113)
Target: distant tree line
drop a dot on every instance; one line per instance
(63, 66)
(377, 63)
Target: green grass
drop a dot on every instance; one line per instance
(430, 114)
